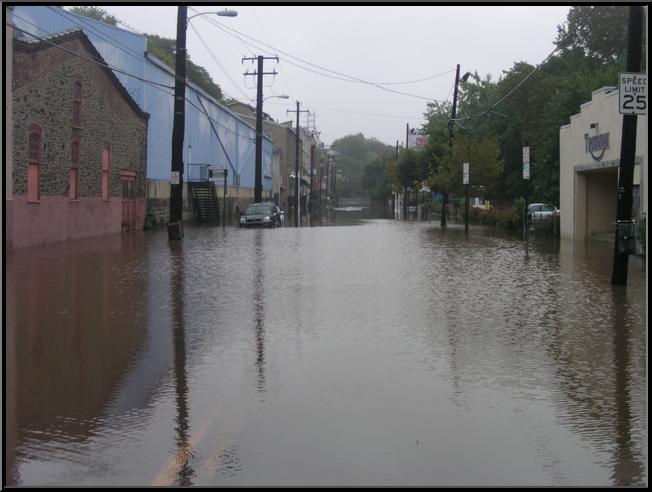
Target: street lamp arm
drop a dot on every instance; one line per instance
(221, 13)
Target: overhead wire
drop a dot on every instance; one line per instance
(338, 76)
(156, 85)
(265, 35)
(215, 59)
(489, 109)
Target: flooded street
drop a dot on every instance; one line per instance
(376, 353)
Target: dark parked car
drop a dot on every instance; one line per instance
(261, 215)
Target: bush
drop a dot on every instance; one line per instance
(640, 233)
(505, 218)
(150, 221)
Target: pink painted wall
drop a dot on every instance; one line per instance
(9, 224)
(57, 219)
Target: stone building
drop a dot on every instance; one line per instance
(79, 144)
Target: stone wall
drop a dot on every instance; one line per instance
(43, 95)
(43, 86)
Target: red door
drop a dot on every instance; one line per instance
(128, 181)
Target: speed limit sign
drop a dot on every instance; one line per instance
(632, 88)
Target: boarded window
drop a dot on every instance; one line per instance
(106, 159)
(74, 171)
(34, 164)
(76, 103)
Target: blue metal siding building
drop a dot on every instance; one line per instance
(213, 135)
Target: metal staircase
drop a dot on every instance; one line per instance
(205, 202)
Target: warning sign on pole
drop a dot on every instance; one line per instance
(526, 162)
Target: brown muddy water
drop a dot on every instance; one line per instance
(381, 353)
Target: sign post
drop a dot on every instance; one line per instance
(526, 177)
(215, 173)
(465, 181)
(633, 101)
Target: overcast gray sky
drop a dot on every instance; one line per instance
(371, 43)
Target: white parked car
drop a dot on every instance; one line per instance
(538, 211)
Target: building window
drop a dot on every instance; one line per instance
(34, 165)
(74, 171)
(106, 159)
(76, 103)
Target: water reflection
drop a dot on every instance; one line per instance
(628, 462)
(508, 362)
(182, 421)
(73, 326)
(259, 307)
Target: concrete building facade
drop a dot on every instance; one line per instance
(589, 166)
(79, 144)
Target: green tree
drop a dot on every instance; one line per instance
(165, 48)
(484, 162)
(355, 152)
(96, 13)
(599, 31)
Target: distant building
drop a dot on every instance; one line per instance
(589, 166)
(283, 138)
(79, 144)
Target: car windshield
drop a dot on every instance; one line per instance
(258, 209)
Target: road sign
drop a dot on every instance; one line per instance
(526, 162)
(217, 173)
(175, 177)
(465, 179)
(632, 98)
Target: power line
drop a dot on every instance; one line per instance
(155, 85)
(355, 112)
(75, 19)
(343, 77)
(489, 108)
(212, 55)
(263, 31)
(105, 65)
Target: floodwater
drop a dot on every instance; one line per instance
(377, 353)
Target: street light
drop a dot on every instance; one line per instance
(221, 13)
(280, 97)
(175, 222)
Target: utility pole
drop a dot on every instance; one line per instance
(444, 205)
(624, 224)
(312, 163)
(258, 186)
(296, 165)
(465, 181)
(526, 180)
(175, 222)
